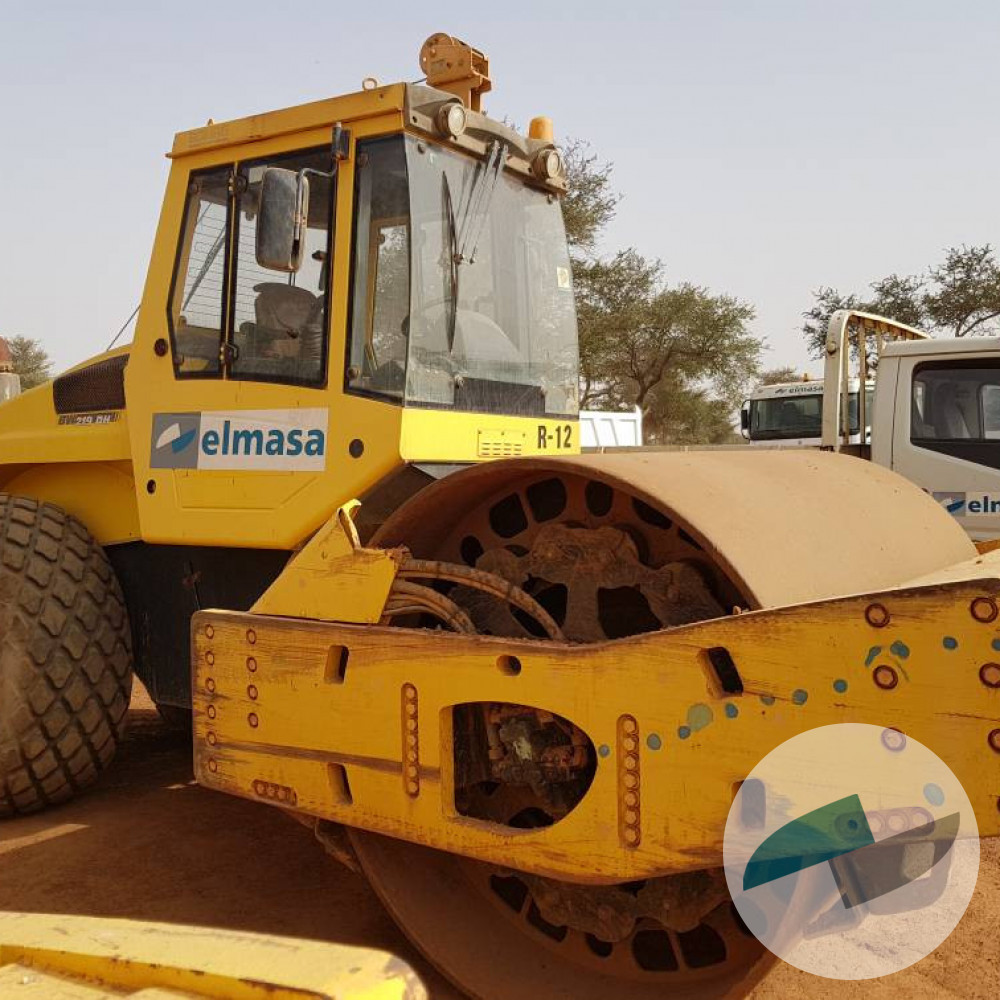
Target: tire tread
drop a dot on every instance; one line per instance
(65, 657)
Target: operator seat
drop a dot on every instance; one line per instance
(287, 335)
(949, 419)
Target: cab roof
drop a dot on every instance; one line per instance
(301, 118)
(946, 345)
(784, 390)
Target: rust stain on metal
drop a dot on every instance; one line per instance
(885, 677)
(983, 609)
(275, 792)
(411, 740)
(877, 615)
(327, 757)
(989, 674)
(629, 817)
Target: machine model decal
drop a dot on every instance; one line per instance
(289, 440)
(89, 419)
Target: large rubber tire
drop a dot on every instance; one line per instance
(65, 657)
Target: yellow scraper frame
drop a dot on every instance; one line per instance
(352, 722)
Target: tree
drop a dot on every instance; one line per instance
(680, 353)
(956, 298)
(775, 376)
(31, 361)
(965, 292)
(678, 413)
(590, 203)
(666, 349)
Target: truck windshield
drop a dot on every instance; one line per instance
(487, 322)
(800, 416)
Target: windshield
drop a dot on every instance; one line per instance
(488, 321)
(799, 416)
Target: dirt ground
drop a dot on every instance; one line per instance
(150, 844)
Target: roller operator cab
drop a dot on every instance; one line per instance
(335, 291)
(345, 299)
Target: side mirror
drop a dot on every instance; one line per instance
(745, 420)
(281, 219)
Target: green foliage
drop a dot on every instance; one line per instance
(590, 203)
(958, 297)
(682, 354)
(776, 376)
(31, 361)
(666, 349)
(965, 292)
(679, 413)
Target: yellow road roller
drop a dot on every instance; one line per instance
(330, 505)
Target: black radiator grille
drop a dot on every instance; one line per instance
(100, 386)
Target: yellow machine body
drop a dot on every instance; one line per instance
(47, 957)
(96, 463)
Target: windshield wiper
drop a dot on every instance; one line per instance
(462, 248)
(453, 262)
(480, 199)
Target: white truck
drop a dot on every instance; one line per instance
(934, 414)
(790, 414)
(608, 429)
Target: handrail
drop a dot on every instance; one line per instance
(836, 374)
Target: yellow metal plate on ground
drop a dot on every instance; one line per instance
(83, 958)
(319, 718)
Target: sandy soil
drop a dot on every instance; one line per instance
(150, 844)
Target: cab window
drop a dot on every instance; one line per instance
(197, 298)
(955, 409)
(380, 289)
(956, 401)
(279, 321)
(228, 315)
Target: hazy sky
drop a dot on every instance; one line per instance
(763, 149)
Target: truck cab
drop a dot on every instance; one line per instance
(934, 415)
(790, 414)
(937, 416)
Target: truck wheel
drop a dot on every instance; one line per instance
(65, 657)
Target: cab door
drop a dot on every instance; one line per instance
(229, 399)
(947, 435)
